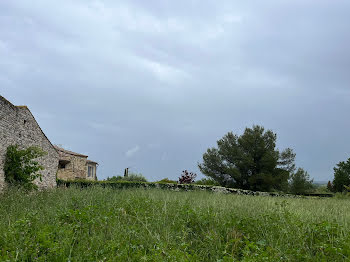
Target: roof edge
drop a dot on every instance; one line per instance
(68, 151)
(7, 102)
(26, 108)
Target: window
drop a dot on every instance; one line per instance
(62, 164)
(90, 171)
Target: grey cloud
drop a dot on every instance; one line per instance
(102, 76)
(132, 151)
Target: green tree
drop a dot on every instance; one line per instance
(300, 182)
(250, 161)
(21, 167)
(341, 176)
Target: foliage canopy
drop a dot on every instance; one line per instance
(300, 182)
(187, 177)
(21, 167)
(250, 161)
(341, 176)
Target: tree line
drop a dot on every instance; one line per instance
(252, 161)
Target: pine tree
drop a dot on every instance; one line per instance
(250, 161)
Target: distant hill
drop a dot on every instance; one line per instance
(320, 183)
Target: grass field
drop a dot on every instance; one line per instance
(97, 224)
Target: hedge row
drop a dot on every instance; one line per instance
(128, 184)
(175, 187)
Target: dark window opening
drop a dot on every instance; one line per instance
(62, 164)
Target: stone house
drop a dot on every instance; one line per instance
(19, 127)
(73, 165)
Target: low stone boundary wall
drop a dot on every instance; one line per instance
(176, 187)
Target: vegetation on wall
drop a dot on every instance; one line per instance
(21, 166)
(176, 187)
(207, 182)
(167, 181)
(203, 181)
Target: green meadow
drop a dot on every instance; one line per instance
(105, 224)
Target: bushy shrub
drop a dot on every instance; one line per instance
(187, 177)
(323, 189)
(300, 182)
(135, 178)
(342, 195)
(207, 182)
(341, 176)
(21, 168)
(132, 177)
(114, 178)
(167, 181)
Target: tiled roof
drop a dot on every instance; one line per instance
(60, 149)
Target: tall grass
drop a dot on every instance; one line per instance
(97, 224)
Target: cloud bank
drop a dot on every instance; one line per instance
(103, 75)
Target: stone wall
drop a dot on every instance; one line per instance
(18, 126)
(75, 169)
(180, 187)
(74, 165)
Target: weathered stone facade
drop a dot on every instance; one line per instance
(19, 127)
(75, 166)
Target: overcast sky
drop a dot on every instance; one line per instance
(152, 84)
